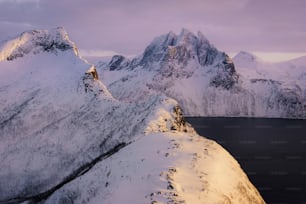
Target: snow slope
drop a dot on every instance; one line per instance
(178, 168)
(59, 125)
(203, 80)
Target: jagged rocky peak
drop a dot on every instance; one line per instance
(168, 46)
(37, 41)
(188, 38)
(178, 56)
(182, 48)
(185, 37)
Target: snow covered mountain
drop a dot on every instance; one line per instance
(65, 139)
(202, 79)
(280, 86)
(163, 168)
(250, 66)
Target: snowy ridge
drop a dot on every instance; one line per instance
(178, 168)
(206, 82)
(36, 41)
(64, 138)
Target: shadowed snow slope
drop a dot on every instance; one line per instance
(60, 127)
(204, 81)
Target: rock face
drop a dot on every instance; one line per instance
(204, 80)
(174, 55)
(62, 134)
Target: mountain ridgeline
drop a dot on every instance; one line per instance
(204, 80)
(36, 41)
(64, 138)
(171, 54)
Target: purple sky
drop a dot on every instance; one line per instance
(127, 26)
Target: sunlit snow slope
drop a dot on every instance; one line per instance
(65, 139)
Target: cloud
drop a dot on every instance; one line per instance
(17, 24)
(20, 1)
(98, 53)
(128, 26)
(13, 28)
(279, 56)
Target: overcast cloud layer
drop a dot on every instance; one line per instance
(127, 26)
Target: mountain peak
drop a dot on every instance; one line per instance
(180, 47)
(36, 41)
(202, 37)
(186, 37)
(246, 56)
(179, 56)
(185, 32)
(172, 34)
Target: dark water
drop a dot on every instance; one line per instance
(271, 151)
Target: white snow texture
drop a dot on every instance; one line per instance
(65, 139)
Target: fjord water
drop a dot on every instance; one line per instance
(272, 152)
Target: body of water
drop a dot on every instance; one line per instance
(272, 152)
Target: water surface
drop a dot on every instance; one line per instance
(271, 151)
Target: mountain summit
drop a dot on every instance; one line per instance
(180, 48)
(36, 41)
(180, 56)
(205, 81)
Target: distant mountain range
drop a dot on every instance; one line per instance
(206, 81)
(64, 138)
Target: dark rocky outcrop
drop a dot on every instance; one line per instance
(118, 62)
